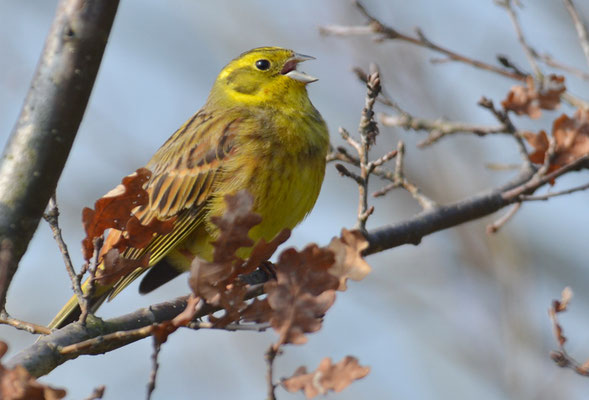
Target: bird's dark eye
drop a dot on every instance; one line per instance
(262, 65)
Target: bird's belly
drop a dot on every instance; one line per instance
(286, 196)
(284, 190)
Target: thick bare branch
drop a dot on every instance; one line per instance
(99, 337)
(412, 230)
(41, 140)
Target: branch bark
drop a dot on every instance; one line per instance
(412, 230)
(43, 356)
(43, 135)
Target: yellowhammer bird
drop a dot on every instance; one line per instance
(257, 131)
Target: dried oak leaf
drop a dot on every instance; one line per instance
(326, 377)
(528, 100)
(571, 136)
(216, 281)
(113, 210)
(18, 384)
(540, 144)
(115, 266)
(137, 235)
(565, 298)
(259, 311)
(303, 291)
(161, 331)
(349, 263)
(208, 279)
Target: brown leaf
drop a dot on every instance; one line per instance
(115, 267)
(349, 263)
(540, 144)
(137, 235)
(553, 88)
(303, 292)
(258, 311)
(327, 377)
(571, 136)
(186, 316)
(234, 226)
(207, 279)
(18, 384)
(263, 250)
(565, 298)
(113, 210)
(529, 100)
(216, 282)
(161, 331)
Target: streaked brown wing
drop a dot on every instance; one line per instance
(184, 171)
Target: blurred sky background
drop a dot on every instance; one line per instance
(461, 316)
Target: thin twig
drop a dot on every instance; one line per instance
(127, 336)
(399, 180)
(52, 218)
(438, 128)
(154, 367)
(503, 117)
(508, 5)
(551, 62)
(386, 32)
(5, 319)
(580, 27)
(538, 180)
(561, 357)
(270, 355)
(383, 96)
(92, 269)
(554, 194)
(498, 224)
(341, 154)
(368, 130)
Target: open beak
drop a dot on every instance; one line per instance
(290, 69)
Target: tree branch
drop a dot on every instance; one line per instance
(412, 230)
(376, 27)
(580, 27)
(42, 138)
(99, 337)
(438, 128)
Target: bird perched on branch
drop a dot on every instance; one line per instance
(258, 131)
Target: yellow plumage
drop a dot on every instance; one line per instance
(257, 131)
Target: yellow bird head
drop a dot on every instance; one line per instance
(262, 76)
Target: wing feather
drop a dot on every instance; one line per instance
(184, 172)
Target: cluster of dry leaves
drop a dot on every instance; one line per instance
(570, 134)
(295, 302)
